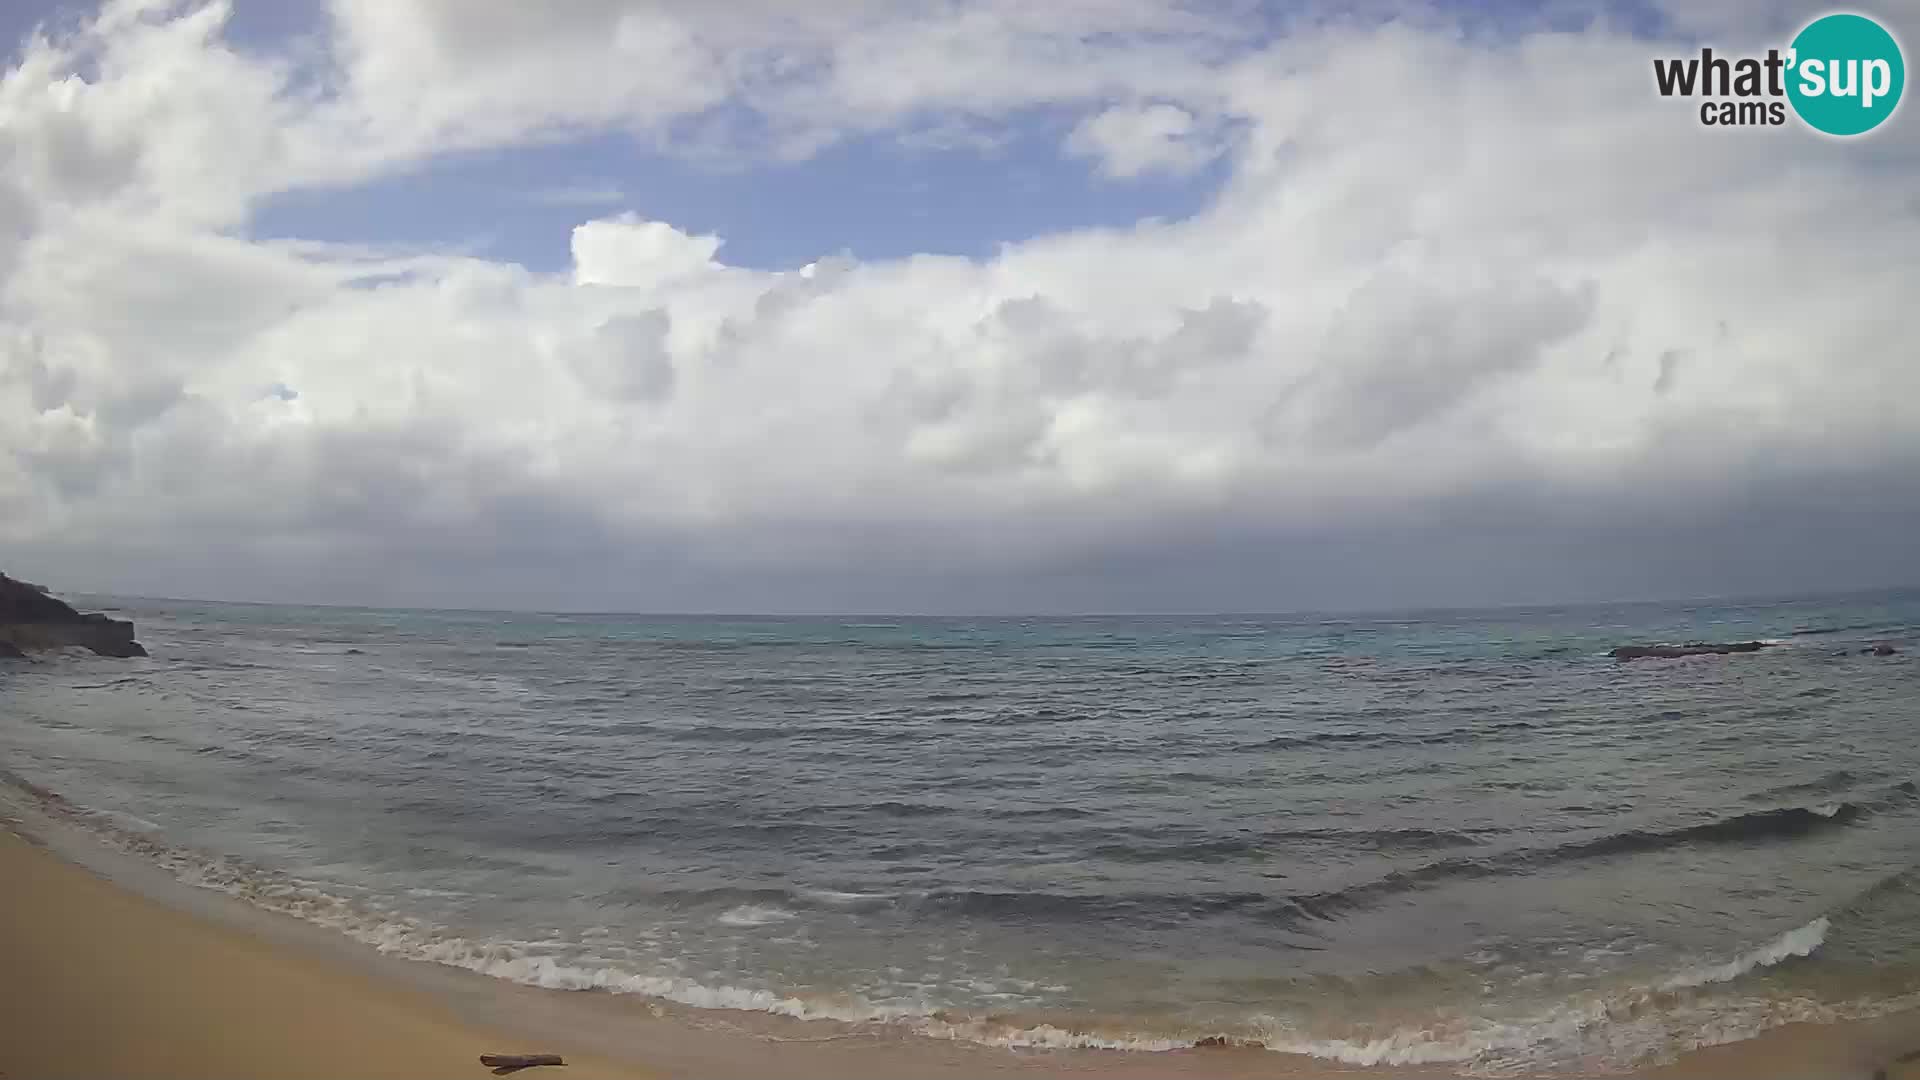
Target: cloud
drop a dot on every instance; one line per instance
(626, 357)
(425, 76)
(631, 252)
(1128, 141)
(1470, 318)
(583, 194)
(1406, 348)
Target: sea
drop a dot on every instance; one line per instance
(1464, 839)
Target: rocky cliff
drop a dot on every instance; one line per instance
(32, 621)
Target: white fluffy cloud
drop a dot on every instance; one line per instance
(1130, 140)
(1457, 292)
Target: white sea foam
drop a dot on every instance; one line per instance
(1045, 1037)
(848, 900)
(754, 915)
(1624, 1027)
(1800, 941)
(124, 820)
(1621, 1027)
(1568, 1032)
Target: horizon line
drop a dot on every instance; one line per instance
(1295, 613)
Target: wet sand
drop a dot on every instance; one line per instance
(169, 981)
(103, 982)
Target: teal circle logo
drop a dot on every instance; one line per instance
(1845, 74)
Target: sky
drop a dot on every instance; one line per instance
(972, 306)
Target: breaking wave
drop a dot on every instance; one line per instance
(1760, 826)
(1484, 1043)
(1801, 941)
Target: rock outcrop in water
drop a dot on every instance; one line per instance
(1674, 652)
(31, 621)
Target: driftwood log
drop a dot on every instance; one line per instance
(502, 1064)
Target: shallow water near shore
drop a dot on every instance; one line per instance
(1465, 839)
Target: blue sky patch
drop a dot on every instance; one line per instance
(878, 196)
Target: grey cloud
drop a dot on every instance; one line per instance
(1077, 423)
(1008, 435)
(488, 31)
(117, 402)
(77, 161)
(142, 400)
(66, 453)
(18, 215)
(1052, 348)
(1670, 362)
(109, 285)
(626, 357)
(1221, 332)
(1507, 545)
(968, 416)
(792, 292)
(49, 386)
(1404, 350)
(483, 72)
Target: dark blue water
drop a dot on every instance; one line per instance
(1452, 837)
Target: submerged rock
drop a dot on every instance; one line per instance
(31, 620)
(1673, 652)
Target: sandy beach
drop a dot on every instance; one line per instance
(110, 982)
(107, 983)
(959, 539)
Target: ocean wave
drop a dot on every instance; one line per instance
(1384, 839)
(1043, 906)
(1800, 941)
(1042, 813)
(1903, 881)
(800, 732)
(846, 901)
(754, 915)
(1832, 783)
(120, 820)
(895, 808)
(1786, 823)
(1221, 849)
(1210, 849)
(1599, 1024)
(1164, 908)
(1012, 717)
(128, 680)
(1026, 906)
(415, 939)
(792, 901)
(1576, 1029)
(1373, 739)
(1851, 628)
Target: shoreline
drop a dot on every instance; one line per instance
(107, 982)
(126, 971)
